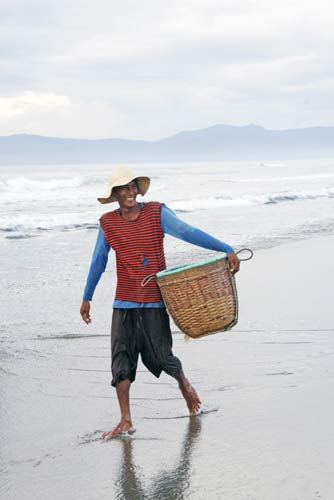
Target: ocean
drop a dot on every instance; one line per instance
(254, 203)
(55, 395)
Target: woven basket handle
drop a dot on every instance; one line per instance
(147, 279)
(245, 250)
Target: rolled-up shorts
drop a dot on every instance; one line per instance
(144, 331)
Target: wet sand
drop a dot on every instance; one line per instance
(266, 386)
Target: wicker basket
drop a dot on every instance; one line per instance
(202, 297)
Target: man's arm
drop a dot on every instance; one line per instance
(176, 227)
(97, 267)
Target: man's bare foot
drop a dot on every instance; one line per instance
(123, 428)
(191, 396)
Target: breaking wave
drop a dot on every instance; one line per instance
(25, 223)
(35, 203)
(24, 188)
(268, 199)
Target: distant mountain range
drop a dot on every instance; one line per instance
(213, 143)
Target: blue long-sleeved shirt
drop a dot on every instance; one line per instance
(171, 225)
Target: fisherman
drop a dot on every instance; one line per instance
(140, 323)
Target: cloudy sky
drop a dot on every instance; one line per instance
(149, 69)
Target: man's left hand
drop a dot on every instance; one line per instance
(234, 262)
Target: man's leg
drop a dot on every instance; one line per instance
(125, 424)
(124, 357)
(190, 395)
(158, 356)
(187, 390)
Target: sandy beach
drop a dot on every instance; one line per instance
(266, 432)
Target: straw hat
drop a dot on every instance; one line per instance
(121, 176)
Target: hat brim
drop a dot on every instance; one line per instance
(143, 184)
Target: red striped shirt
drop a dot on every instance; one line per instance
(139, 251)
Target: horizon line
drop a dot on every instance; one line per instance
(250, 125)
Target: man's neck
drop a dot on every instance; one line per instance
(130, 213)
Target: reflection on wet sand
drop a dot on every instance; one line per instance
(167, 485)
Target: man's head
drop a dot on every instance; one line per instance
(123, 177)
(126, 195)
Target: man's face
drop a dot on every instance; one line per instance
(126, 195)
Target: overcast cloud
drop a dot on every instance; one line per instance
(149, 69)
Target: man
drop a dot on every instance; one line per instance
(140, 324)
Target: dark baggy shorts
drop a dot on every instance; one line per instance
(143, 331)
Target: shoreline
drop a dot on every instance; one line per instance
(266, 385)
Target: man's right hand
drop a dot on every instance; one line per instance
(234, 262)
(84, 311)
